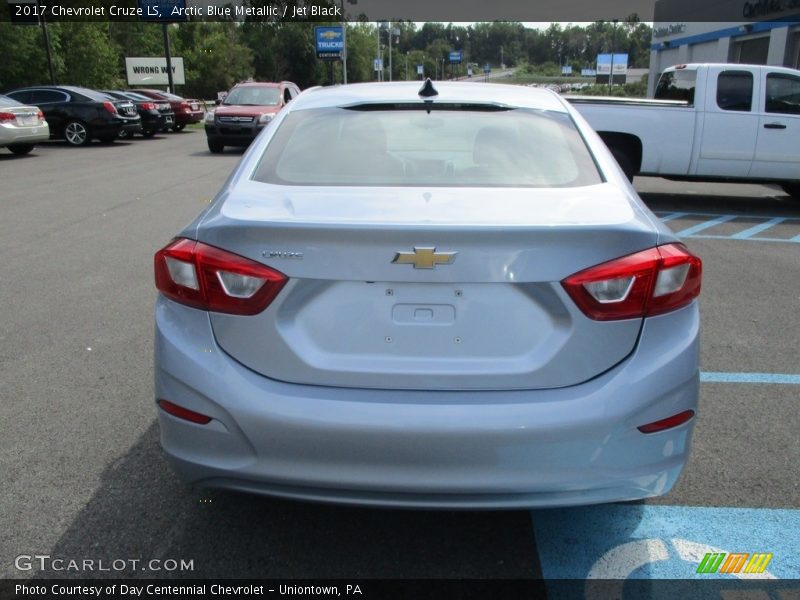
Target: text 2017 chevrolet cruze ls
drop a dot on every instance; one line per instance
(439, 297)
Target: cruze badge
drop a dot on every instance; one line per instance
(424, 257)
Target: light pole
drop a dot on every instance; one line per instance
(344, 41)
(406, 65)
(613, 45)
(378, 53)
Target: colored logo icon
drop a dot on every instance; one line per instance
(722, 562)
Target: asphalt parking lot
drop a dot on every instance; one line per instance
(82, 473)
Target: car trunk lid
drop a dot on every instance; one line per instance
(441, 288)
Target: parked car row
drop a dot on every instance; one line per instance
(78, 115)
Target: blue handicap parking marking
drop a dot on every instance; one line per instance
(642, 541)
(774, 378)
(759, 232)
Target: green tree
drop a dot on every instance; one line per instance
(214, 59)
(25, 61)
(90, 57)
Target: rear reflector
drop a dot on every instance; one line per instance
(667, 423)
(647, 283)
(208, 278)
(183, 413)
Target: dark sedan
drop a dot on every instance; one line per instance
(79, 115)
(156, 116)
(186, 111)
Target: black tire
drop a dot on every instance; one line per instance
(124, 135)
(21, 148)
(77, 133)
(215, 146)
(793, 189)
(149, 132)
(624, 162)
(178, 127)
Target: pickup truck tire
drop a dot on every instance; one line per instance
(215, 146)
(624, 162)
(793, 189)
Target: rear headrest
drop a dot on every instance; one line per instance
(495, 145)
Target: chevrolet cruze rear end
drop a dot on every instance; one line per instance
(446, 297)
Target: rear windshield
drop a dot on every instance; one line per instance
(414, 147)
(135, 96)
(253, 96)
(677, 85)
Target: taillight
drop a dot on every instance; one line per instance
(110, 107)
(184, 106)
(650, 282)
(7, 116)
(148, 106)
(208, 278)
(40, 115)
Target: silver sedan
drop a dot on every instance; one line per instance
(447, 296)
(21, 127)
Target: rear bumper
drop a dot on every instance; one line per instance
(487, 449)
(234, 135)
(188, 118)
(12, 134)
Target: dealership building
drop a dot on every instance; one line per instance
(764, 32)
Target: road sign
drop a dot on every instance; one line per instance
(377, 64)
(455, 58)
(566, 70)
(152, 70)
(487, 68)
(163, 11)
(420, 69)
(329, 42)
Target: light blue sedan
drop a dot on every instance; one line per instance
(447, 296)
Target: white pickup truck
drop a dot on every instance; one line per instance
(707, 122)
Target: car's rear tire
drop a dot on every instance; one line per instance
(216, 146)
(793, 189)
(178, 127)
(149, 132)
(21, 148)
(76, 133)
(125, 134)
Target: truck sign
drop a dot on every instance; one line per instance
(329, 42)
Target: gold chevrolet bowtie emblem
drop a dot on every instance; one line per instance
(424, 257)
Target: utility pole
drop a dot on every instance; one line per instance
(47, 49)
(390, 50)
(164, 27)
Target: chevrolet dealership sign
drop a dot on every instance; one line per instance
(152, 70)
